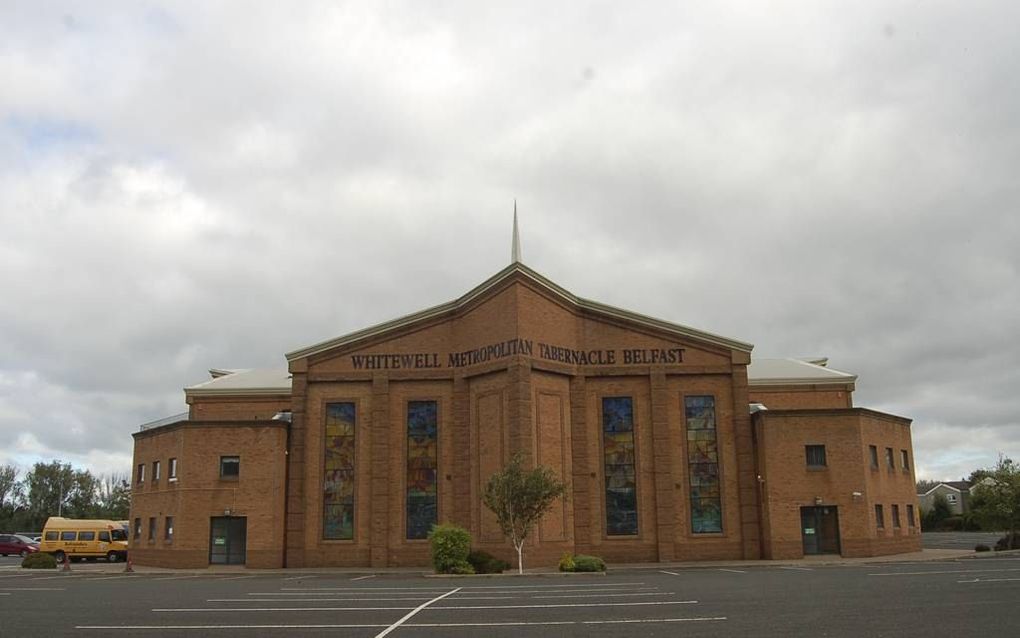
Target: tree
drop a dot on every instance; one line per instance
(56, 489)
(114, 497)
(923, 485)
(997, 504)
(519, 499)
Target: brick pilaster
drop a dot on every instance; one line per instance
(665, 493)
(380, 460)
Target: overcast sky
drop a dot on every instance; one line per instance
(215, 184)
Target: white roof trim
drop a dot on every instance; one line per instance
(955, 489)
(766, 372)
(586, 304)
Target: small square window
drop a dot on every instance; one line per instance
(104, 537)
(815, 455)
(138, 528)
(874, 456)
(68, 536)
(141, 473)
(879, 518)
(951, 499)
(910, 516)
(86, 536)
(152, 528)
(172, 473)
(889, 459)
(155, 471)
(52, 536)
(168, 530)
(904, 460)
(230, 467)
(895, 515)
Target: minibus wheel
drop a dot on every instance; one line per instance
(112, 557)
(24, 553)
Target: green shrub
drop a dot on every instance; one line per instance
(584, 563)
(1006, 542)
(486, 563)
(39, 560)
(450, 548)
(581, 563)
(981, 547)
(951, 524)
(567, 562)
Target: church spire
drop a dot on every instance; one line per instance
(515, 249)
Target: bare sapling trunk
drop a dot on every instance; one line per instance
(519, 546)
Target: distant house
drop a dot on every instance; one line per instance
(957, 494)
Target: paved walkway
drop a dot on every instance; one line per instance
(924, 555)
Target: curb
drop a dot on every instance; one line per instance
(515, 575)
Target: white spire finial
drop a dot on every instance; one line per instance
(515, 249)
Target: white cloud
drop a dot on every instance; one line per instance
(199, 186)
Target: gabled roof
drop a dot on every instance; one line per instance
(956, 486)
(245, 381)
(538, 280)
(794, 372)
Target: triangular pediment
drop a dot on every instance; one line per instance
(517, 303)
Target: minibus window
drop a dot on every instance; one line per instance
(67, 536)
(86, 536)
(119, 534)
(51, 536)
(104, 536)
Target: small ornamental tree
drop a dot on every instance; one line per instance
(996, 504)
(519, 499)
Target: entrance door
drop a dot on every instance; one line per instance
(228, 536)
(820, 529)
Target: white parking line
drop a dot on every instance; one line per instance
(989, 580)
(615, 586)
(670, 573)
(33, 588)
(299, 577)
(364, 577)
(236, 577)
(800, 569)
(182, 610)
(927, 573)
(96, 580)
(419, 625)
(310, 600)
(559, 605)
(413, 612)
(733, 571)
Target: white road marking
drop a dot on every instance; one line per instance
(616, 585)
(236, 577)
(232, 609)
(368, 590)
(989, 580)
(800, 569)
(670, 573)
(179, 577)
(96, 580)
(734, 571)
(308, 600)
(969, 571)
(364, 577)
(424, 625)
(558, 605)
(400, 622)
(33, 588)
(298, 577)
(5, 593)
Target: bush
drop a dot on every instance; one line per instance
(486, 563)
(39, 560)
(951, 524)
(1005, 542)
(981, 547)
(567, 563)
(450, 548)
(582, 563)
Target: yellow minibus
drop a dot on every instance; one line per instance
(84, 538)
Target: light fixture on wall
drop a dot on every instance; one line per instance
(818, 500)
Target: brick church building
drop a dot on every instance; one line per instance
(675, 444)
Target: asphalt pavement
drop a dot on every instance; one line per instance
(961, 597)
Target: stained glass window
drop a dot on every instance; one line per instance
(421, 468)
(618, 446)
(338, 475)
(703, 461)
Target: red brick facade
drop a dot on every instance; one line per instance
(519, 365)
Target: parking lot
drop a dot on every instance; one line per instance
(964, 597)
